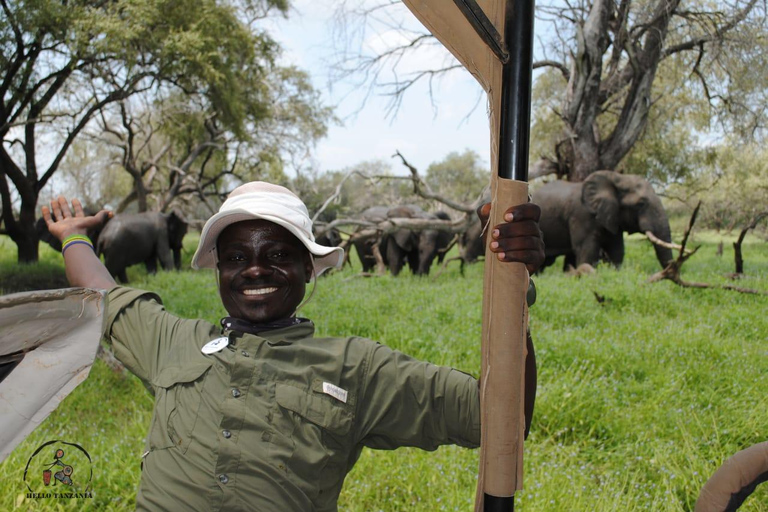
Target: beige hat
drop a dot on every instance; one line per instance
(262, 200)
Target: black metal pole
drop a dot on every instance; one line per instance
(516, 91)
(515, 128)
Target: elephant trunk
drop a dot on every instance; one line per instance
(659, 227)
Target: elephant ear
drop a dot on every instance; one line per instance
(404, 239)
(177, 228)
(600, 198)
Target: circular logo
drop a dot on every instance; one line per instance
(59, 466)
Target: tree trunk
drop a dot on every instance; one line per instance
(28, 245)
(141, 195)
(581, 105)
(585, 98)
(24, 234)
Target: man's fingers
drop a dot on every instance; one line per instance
(104, 216)
(517, 244)
(78, 208)
(56, 210)
(64, 207)
(47, 216)
(522, 212)
(516, 229)
(531, 258)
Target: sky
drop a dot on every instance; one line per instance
(422, 133)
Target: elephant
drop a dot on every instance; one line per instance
(364, 248)
(329, 238)
(416, 248)
(128, 239)
(471, 243)
(586, 221)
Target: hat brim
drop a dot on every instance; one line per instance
(205, 257)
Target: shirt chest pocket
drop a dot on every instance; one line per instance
(312, 437)
(318, 409)
(178, 393)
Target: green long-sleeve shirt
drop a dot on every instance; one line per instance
(276, 421)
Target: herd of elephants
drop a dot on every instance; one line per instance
(585, 222)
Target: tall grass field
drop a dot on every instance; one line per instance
(642, 394)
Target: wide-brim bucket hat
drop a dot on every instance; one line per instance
(266, 201)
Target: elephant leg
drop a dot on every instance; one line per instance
(163, 250)
(166, 260)
(116, 268)
(569, 262)
(366, 256)
(614, 249)
(177, 258)
(587, 250)
(151, 264)
(416, 265)
(395, 258)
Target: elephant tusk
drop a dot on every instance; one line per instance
(657, 241)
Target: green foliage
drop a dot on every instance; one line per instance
(62, 63)
(640, 398)
(546, 123)
(732, 185)
(458, 176)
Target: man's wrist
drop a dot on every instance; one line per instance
(73, 240)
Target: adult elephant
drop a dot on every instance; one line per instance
(587, 220)
(434, 245)
(417, 249)
(128, 239)
(471, 243)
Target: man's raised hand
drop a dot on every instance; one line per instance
(62, 222)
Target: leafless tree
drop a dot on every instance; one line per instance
(737, 254)
(608, 54)
(672, 271)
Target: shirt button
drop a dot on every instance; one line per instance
(235, 392)
(246, 354)
(226, 433)
(223, 479)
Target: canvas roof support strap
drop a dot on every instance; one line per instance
(484, 28)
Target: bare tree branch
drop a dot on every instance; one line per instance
(737, 254)
(672, 270)
(422, 189)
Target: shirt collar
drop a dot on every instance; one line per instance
(289, 329)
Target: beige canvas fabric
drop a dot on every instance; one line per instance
(504, 308)
(55, 334)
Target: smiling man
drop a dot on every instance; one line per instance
(257, 413)
(263, 269)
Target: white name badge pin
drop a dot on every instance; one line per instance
(216, 345)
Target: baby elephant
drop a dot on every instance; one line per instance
(128, 239)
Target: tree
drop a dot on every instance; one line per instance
(178, 147)
(63, 62)
(732, 185)
(459, 176)
(608, 56)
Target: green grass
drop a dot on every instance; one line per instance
(641, 397)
